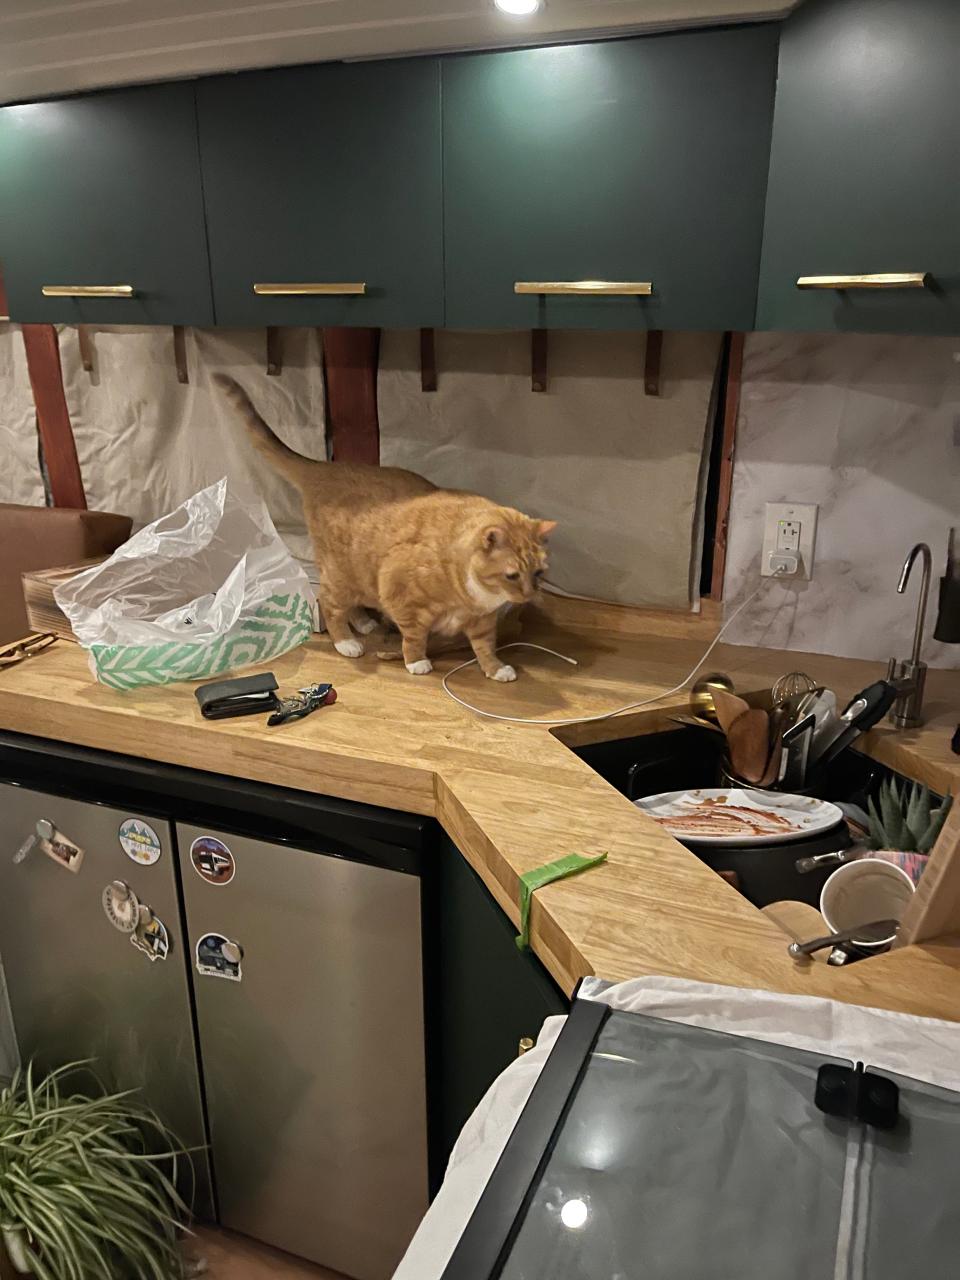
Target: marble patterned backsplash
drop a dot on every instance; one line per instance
(869, 428)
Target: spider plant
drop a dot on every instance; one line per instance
(87, 1182)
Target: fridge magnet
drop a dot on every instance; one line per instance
(63, 851)
(212, 860)
(218, 957)
(120, 906)
(150, 936)
(139, 841)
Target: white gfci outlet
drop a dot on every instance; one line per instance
(789, 538)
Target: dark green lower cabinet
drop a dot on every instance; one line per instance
(486, 997)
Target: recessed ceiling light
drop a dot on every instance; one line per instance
(518, 8)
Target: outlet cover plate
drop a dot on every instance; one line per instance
(779, 514)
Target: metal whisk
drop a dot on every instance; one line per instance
(790, 685)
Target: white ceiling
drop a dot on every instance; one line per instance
(59, 46)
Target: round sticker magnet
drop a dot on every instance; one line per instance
(139, 841)
(219, 957)
(212, 860)
(121, 906)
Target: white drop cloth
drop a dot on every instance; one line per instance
(147, 442)
(20, 479)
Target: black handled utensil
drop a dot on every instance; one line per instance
(860, 714)
(870, 934)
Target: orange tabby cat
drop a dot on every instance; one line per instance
(432, 560)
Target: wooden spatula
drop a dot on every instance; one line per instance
(729, 708)
(748, 741)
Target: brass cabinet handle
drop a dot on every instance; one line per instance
(87, 290)
(601, 288)
(309, 290)
(894, 280)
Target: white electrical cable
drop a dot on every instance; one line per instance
(606, 715)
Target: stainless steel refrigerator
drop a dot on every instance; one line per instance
(310, 1013)
(282, 1019)
(78, 987)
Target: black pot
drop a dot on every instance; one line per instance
(768, 873)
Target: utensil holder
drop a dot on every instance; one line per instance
(727, 778)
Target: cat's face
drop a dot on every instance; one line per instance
(511, 559)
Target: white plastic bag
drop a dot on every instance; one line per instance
(206, 589)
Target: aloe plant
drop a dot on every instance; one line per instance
(87, 1182)
(905, 819)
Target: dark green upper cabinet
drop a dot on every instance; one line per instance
(326, 175)
(637, 161)
(104, 190)
(864, 174)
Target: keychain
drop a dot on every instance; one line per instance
(301, 704)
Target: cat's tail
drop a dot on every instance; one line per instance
(282, 459)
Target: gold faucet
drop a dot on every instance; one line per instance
(910, 674)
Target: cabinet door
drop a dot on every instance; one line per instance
(78, 988)
(489, 996)
(638, 161)
(324, 176)
(863, 173)
(312, 1041)
(105, 191)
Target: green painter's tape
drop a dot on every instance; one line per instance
(539, 876)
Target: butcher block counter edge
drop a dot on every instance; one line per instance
(514, 796)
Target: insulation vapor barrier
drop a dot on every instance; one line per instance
(619, 470)
(146, 442)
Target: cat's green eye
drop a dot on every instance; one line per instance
(512, 577)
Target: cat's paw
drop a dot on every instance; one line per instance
(363, 624)
(349, 648)
(421, 668)
(504, 673)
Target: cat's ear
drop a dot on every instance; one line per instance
(493, 536)
(546, 527)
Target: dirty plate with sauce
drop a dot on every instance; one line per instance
(724, 815)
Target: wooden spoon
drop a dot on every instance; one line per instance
(748, 739)
(729, 708)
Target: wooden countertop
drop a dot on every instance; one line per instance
(515, 796)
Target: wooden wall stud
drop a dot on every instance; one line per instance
(731, 411)
(85, 343)
(538, 359)
(350, 360)
(53, 417)
(651, 362)
(274, 352)
(180, 353)
(428, 360)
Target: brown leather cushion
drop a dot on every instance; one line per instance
(43, 538)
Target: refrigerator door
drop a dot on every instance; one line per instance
(309, 993)
(78, 987)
